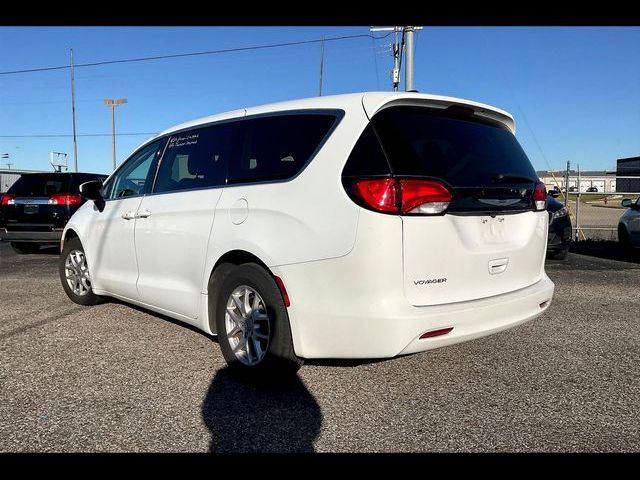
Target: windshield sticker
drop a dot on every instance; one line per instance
(181, 141)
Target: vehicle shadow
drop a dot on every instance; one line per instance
(260, 415)
(605, 249)
(50, 250)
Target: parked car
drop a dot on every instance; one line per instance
(305, 230)
(37, 206)
(592, 189)
(629, 225)
(573, 189)
(559, 228)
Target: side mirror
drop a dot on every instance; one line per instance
(627, 203)
(93, 191)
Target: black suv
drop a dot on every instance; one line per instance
(559, 228)
(37, 206)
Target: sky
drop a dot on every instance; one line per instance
(573, 91)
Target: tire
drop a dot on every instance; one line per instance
(623, 238)
(23, 248)
(262, 344)
(82, 294)
(560, 255)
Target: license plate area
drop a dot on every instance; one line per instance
(31, 208)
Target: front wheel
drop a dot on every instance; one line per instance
(75, 275)
(253, 324)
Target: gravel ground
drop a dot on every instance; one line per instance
(117, 378)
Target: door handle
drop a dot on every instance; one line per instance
(128, 215)
(143, 214)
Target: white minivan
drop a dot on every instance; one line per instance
(364, 225)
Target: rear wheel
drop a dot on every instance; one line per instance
(252, 323)
(75, 275)
(24, 247)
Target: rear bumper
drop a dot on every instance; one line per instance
(482, 317)
(53, 236)
(375, 327)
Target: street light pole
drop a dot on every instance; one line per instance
(113, 103)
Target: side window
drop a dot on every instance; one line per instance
(278, 147)
(196, 159)
(136, 176)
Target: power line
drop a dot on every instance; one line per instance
(193, 54)
(375, 61)
(55, 135)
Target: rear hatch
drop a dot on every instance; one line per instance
(34, 203)
(491, 237)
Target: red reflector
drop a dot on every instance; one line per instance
(418, 192)
(380, 194)
(540, 196)
(436, 333)
(6, 198)
(65, 199)
(283, 291)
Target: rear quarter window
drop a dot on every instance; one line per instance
(278, 147)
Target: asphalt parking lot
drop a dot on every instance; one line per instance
(116, 378)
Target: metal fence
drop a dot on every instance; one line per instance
(595, 207)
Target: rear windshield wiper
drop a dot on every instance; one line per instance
(509, 177)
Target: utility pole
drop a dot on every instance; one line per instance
(409, 46)
(73, 117)
(395, 50)
(321, 63)
(578, 207)
(395, 73)
(566, 184)
(109, 102)
(408, 69)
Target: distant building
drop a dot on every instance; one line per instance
(8, 177)
(603, 180)
(629, 167)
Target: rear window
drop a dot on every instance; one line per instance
(40, 185)
(462, 151)
(278, 147)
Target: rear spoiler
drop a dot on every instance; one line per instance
(374, 102)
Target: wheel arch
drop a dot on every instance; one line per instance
(233, 257)
(68, 235)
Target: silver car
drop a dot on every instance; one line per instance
(629, 226)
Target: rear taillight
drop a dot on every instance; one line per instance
(404, 196)
(540, 196)
(424, 197)
(8, 199)
(381, 195)
(65, 199)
